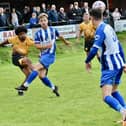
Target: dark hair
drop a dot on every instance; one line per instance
(96, 14)
(20, 29)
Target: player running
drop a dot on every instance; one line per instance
(45, 41)
(112, 62)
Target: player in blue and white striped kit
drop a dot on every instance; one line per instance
(112, 62)
(45, 41)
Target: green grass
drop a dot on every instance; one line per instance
(80, 103)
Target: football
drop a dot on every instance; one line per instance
(99, 4)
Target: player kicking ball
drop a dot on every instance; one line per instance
(20, 45)
(112, 62)
(45, 41)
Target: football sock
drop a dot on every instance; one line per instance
(119, 97)
(113, 103)
(30, 78)
(48, 83)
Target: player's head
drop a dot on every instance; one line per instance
(43, 20)
(86, 16)
(96, 15)
(21, 32)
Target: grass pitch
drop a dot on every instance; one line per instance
(80, 103)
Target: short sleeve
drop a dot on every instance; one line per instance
(99, 38)
(80, 27)
(12, 40)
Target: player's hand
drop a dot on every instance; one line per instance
(88, 67)
(124, 68)
(67, 42)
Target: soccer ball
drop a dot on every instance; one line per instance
(99, 4)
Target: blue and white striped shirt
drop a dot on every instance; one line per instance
(112, 56)
(46, 36)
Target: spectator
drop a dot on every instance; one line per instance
(14, 18)
(70, 12)
(34, 9)
(116, 14)
(26, 14)
(38, 10)
(62, 17)
(3, 19)
(77, 13)
(33, 20)
(43, 8)
(53, 15)
(85, 8)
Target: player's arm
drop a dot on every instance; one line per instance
(38, 44)
(79, 35)
(123, 56)
(99, 39)
(4, 43)
(92, 54)
(122, 52)
(47, 46)
(61, 38)
(64, 40)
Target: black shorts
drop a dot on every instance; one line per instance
(88, 44)
(15, 60)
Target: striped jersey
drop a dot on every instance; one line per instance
(112, 56)
(46, 36)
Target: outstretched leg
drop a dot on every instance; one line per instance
(43, 77)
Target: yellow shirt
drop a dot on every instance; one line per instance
(19, 46)
(88, 29)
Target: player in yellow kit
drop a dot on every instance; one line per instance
(20, 45)
(87, 28)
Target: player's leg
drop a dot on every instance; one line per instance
(26, 63)
(108, 78)
(43, 77)
(31, 77)
(109, 99)
(87, 47)
(17, 61)
(115, 93)
(26, 71)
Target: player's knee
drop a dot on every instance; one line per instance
(27, 61)
(105, 98)
(42, 75)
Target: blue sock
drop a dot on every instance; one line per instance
(30, 78)
(47, 82)
(113, 103)
(119, 97)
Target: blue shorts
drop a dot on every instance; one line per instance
(46, 60)
(111, 77)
